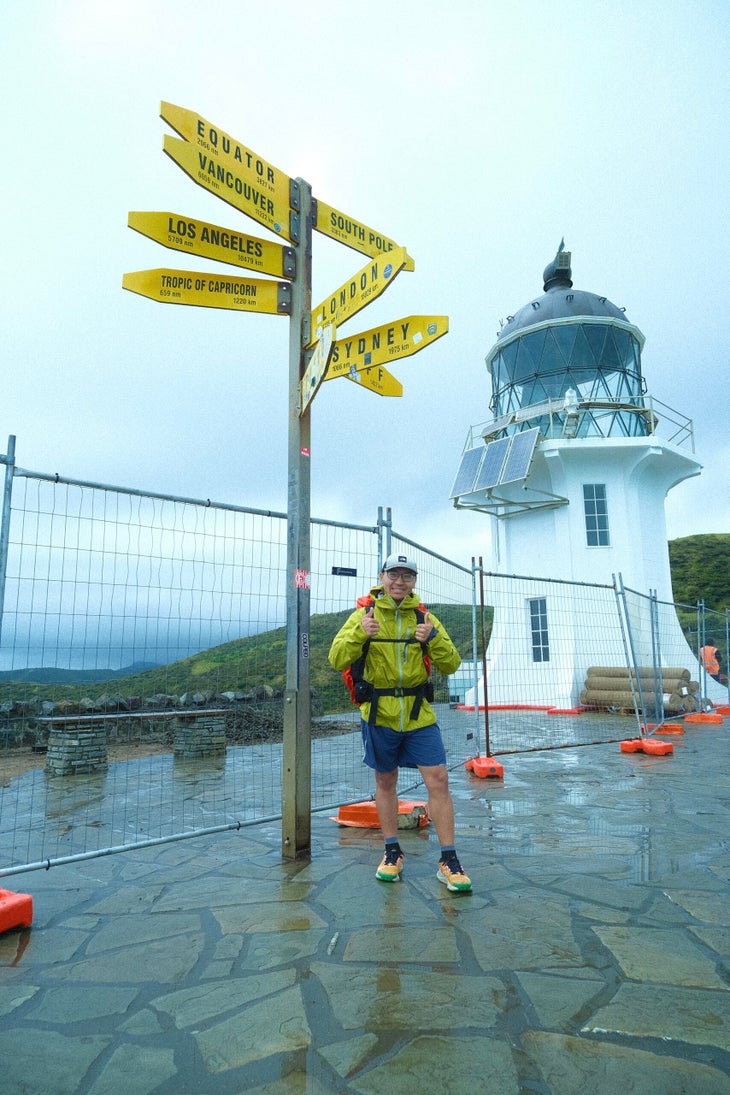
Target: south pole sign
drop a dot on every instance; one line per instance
(318, 350)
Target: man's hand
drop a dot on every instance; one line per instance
(423, 631)
(369, 624)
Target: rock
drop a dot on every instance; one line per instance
(161, 701)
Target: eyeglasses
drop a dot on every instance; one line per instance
(402, 575)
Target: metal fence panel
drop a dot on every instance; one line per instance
(175, 610)
(545, 636)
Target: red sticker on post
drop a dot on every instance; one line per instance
(301, 579)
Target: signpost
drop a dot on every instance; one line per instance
(367, 284)
(296, 805)
(338, 226)
(316, 370)
(378, 380)
(211, 241)
(235, 186)
(387, 343)
(225, 167)
(220, 147)
(211, 290)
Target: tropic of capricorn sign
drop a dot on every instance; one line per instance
(284, 206)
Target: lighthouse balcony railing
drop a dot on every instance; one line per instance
(564, 418)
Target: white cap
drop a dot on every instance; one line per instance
(393, 562)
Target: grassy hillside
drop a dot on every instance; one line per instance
(240, 666)
(701, 570)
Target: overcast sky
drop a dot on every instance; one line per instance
(476, 133)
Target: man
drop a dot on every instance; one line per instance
(710, 657)
(399, 727)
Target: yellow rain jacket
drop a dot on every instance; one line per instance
(394, 664)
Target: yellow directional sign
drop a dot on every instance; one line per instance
(231, 184)
(316, 370)
(221, 147)
(368, 283)
(210, 241)
(377, 380)
(338, 226)
(402, 338)
(211, 290)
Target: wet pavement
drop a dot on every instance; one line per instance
(592, 956)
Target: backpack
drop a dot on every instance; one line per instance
(362, 691)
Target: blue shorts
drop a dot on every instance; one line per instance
(386, 749)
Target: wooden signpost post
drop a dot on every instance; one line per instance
(225, 167)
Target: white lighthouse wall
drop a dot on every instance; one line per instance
(583, 622)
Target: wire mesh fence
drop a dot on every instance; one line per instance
(546, 639)
(143, 664)
(144, 636)
(665, 642)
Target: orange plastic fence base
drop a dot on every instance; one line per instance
(16, 910)
(364, 815)
(704, 716)
(647, 745)
(666, 728)
(485, 767)
(524, 707)
(724, 710)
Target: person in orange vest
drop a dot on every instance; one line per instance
(710, 657)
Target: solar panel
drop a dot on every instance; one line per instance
(492, 464)
(468, 468)
(517, 464)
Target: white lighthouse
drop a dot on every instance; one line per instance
(573, 469)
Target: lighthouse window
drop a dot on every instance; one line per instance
(539, 629)
(596, 512)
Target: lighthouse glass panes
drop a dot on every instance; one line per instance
(539, 629)
(596, 513)
(600, 360)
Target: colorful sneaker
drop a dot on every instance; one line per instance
(453, 876)
(391, 865)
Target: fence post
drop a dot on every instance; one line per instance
(629, 653)
(9, 461)
(475, 646)
(701, 641)
(656, 657)
(387, 524)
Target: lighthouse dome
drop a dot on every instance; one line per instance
(568, 341)
(560, 300)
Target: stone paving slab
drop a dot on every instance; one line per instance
(592, 956)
